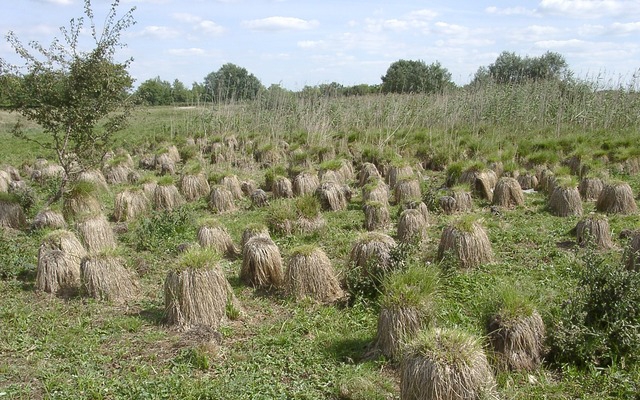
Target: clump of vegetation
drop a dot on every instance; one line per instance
(516, 331)
(600, 322)
(408, 305)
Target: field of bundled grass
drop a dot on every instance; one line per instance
(491, 230)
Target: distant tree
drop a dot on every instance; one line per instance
(361, 90)
(180, 93)
(154, 92)
(198, 92)
(275, 97)
(511, 68)
(8, 84)
(408, 76)
(78, 97)
(231, 82)
(332, 89)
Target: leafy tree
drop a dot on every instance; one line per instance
(361, 90)
(154, 92)
(231, 82)
(408, 76)
(198, 92)
(276, 97)
(511, 68)
(78, 97)
(8, 85)
(180, 93)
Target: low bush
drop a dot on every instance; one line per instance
(600, 324)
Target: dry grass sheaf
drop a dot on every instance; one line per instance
(59, 258)
(130, 204)
(467, 242)
(375, 190)
(105, 277)
(261, 263)
(12, 215)
(194, 187)
(96, 233)
(47, 218)
(590, 188)
(406, 189)
(167, 197)
(445, 364)
(94, 177)
(221, 199)
(282, 188)
(617, 198)
(508, 193)
(376, 216)
(305, 183)
(412, 226)
(517, 341)
(594, 229)
(565, 201)
(214, 236)
(233, 184)
(371, 254)
(368, 171)
(397, 174)
(632, 256)
(197, 296)
(396, 324)
(333, 196)
(310, 274)
(254, 230)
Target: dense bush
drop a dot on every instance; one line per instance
(163, 230)
(600, 324)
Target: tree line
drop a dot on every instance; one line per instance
(232, 82)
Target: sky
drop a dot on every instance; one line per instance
(294, 43)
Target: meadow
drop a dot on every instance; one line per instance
(275, 345)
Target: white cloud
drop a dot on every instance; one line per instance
(280, 24)
(57, 2)
(160, 32)
(535, 33)
(194, 51)
(310, 44)
(625, 28)
(567, 45)
(444, 28)
(423, 14)
(210, 27)
(187, 18)
(199, 24)
(415, 20)
(147, 1)
(511, 11)
(591, 30)
(589, 8)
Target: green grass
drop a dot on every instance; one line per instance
(275, 347)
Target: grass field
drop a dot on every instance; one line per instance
(280, 348)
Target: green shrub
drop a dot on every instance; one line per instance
(600, 324)
(163, 230)
(308, 206)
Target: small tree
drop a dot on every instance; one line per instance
(154, 92)
(78, 97)
(511, 68)
(231, 82)
(407, 76)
